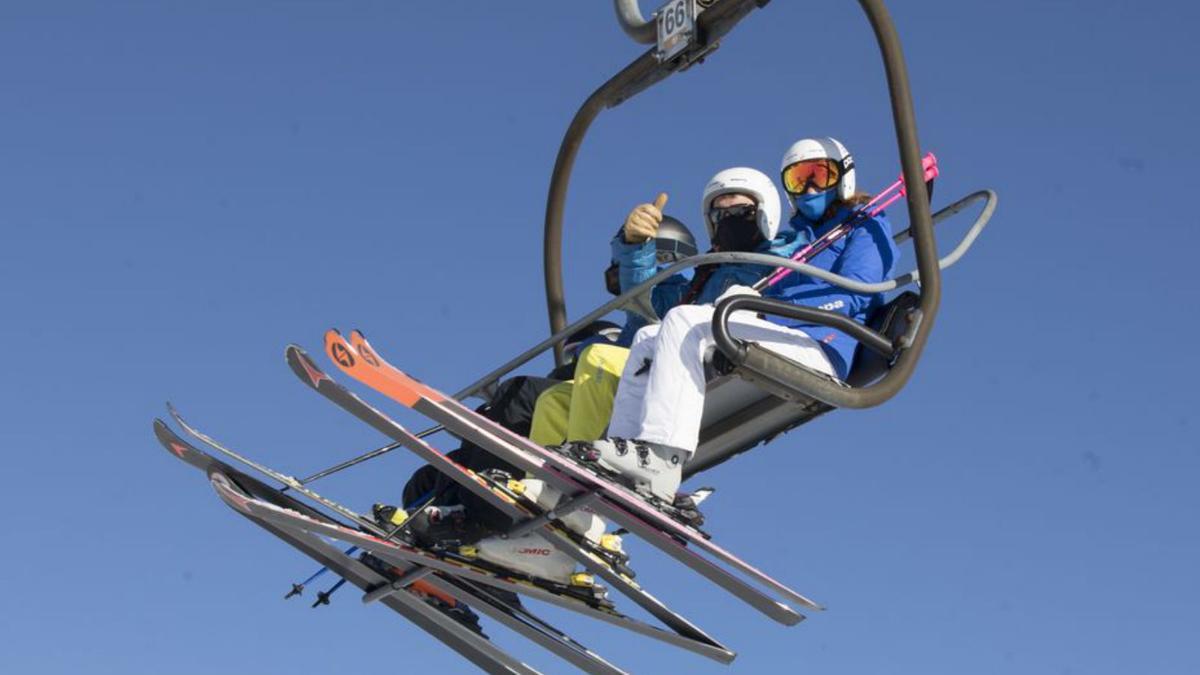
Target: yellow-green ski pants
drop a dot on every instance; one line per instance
(579, 409)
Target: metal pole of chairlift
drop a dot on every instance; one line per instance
(645, 71)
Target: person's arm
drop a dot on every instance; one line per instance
(638, 262)
(869, 257)
(635, 262)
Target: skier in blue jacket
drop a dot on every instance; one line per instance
(656, 416)
(867, 254)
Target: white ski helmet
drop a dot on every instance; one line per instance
(824, 147)
(750, 182)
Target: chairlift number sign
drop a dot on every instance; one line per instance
(676, 27)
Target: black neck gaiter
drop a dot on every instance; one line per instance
(738, 233)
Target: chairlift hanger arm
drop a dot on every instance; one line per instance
(629, 15)
(645, 71)
(644, 31)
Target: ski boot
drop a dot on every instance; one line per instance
(436, 528)
(590, 527)
(388, 517)
(653, 471)
(528, 555)
(532, 557)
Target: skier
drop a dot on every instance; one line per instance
(540, 407)
(660, 399)
(511, 406)
(453, 517)
(579, 408)
(439, 515)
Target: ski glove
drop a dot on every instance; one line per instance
(641, 225)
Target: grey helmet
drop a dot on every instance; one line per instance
(674, 241)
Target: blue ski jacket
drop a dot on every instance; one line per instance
(867, 254)
(637, 263)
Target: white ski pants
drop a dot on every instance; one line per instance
(664, 405)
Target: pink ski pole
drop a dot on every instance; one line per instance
(881, 201)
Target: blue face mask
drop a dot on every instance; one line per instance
(813, 206)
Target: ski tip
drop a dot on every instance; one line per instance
(177, 416)
(340, 351)
(334, 336)
(294, 353)
(171, 441)
(166, 437)
(163, 432)
(304, 367)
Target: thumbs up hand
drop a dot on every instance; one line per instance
(641, 224)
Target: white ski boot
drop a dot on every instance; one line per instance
(528, 554)
(651, 469)
(582, 521)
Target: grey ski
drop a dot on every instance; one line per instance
(619, 505)
(694, 639)
(469, 644)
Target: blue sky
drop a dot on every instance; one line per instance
(187, 187)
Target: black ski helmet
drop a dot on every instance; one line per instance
(600, 328)
(673, 243)
(606, 331)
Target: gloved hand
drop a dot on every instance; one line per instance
(641, 224)
(736, 290)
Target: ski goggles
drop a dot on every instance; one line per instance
(741, 211)
(821, 174)
(672, 250)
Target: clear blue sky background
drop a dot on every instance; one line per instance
(187, 187)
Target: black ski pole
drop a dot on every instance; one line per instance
(361, 458)
(298, 589)
(323, 596)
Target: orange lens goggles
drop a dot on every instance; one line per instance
(820, 173)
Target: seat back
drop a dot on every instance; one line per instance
(891, 320)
